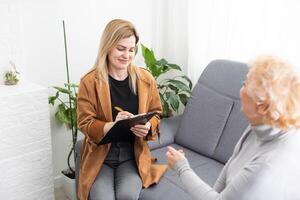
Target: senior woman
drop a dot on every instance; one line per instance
(266, 161)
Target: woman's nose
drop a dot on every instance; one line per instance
(126, 54)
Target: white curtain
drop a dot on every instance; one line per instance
(200, 31)
(240, 30)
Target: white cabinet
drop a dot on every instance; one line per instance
(25, 143)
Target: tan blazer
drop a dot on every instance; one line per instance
(94, 110)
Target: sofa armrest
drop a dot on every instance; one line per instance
(167, 128)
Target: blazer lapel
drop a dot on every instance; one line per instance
(104, 98)
(143, 94)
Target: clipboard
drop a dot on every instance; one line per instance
(115, 133)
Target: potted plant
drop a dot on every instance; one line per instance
(66, 98)
(11, 76)
(173, 91)
(66, 114)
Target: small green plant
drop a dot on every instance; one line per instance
(11, 76)
(66, 97)
(172, 91)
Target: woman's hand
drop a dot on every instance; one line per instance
(123, 115)
(173, 156)
(141, 130)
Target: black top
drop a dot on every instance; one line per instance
(122, 96)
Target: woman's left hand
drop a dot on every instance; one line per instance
(141, 130)
(173, 156)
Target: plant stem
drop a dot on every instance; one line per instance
(70, 103)
(62, 102)
(69, 156)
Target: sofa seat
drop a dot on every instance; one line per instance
(169, 186)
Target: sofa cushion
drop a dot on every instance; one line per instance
(206, 168)
(209, 172)
(169, 187)
(236, 124)
(203, 120)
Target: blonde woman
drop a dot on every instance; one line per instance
(266, 161)
(117, 170)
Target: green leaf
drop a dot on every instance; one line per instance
(72, 85)
(51, 100)
(62, 115)
(165, 106)
(183, 98)
(173, 100)
(149, 57)
(188, 80)
(156, 71)
(73, 98)
(63, 90)
(174, 66)
(161, 62)
(174, 88)
(182, 86)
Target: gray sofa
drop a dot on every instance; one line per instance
(207, 131)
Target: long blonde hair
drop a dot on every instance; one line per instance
(115, 31)
(273, 83)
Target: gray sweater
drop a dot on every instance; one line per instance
(265, 165)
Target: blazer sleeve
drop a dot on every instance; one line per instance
(154, 105)
(88, 122)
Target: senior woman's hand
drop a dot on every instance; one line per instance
(173, 156)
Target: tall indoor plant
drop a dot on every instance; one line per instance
(66, 97)
(173, 91)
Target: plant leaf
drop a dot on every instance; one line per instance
(172, 98)
(63, 90)
(183, 98)
(62, 115)
(174, 66)
(182, 86)
(72, 85)
(165, 106)
(51, 100)
(188, 80)
(149, 57)
(162, 62)
(174, 88)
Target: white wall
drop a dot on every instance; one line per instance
(31, 35)
(241, 30)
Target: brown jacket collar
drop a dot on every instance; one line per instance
(143, 84)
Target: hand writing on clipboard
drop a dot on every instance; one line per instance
(140, 130)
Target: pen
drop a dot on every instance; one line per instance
(118, 109)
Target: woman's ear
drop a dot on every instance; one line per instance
(262, 108)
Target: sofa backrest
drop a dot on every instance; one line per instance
(212, 121)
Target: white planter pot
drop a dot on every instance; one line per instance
(69, 187)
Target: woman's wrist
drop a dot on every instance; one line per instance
(181, 165)
(108, 126)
